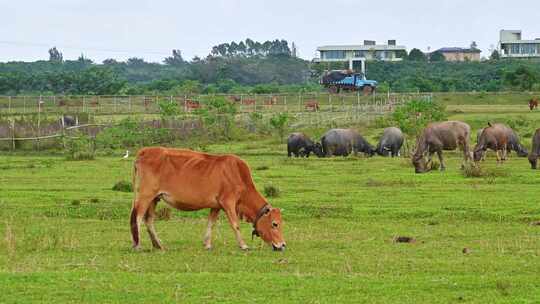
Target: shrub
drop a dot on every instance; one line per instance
(123, 186)
(279, 123)
(271, 191)
(80, 148)
(413, 116)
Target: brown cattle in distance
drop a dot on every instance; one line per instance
(533, 103)
(189, 181)
(247, 102)
(191, 105)
(312, 105)
(271, 101)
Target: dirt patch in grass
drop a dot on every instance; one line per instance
(389, 183)
(404, 239)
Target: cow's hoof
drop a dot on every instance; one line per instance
(244, 248)
(136, 248)
(208, 247)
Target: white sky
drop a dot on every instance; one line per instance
(151, 29)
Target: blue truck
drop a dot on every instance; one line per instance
(336, 81)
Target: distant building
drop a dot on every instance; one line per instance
(370, 50)
(512, 46)
(460, 54)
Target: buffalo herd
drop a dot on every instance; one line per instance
(435, 138)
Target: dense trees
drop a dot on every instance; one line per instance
(250, 66)
(252, 48)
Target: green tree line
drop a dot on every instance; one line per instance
(253, 67)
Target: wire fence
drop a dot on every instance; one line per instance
(291, 103)
(40, 122)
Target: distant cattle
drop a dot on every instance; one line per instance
(341, 142)
(535, 150)
(437, 137)
(312, 105)
(533, 103)
(390, 142)
(191, 105)
(69, 121)
(235, 98)
(190, 181)
(298, 144)
(271, 101)
(247, 102)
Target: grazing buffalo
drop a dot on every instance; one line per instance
(189, 181)
(495, 137)
(439, 136)
(341, 142)
(533, 103)
(298, 144)
(390, 142)
(513, 143)
(535, 150)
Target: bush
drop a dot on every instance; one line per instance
(279, 123)
(123, 186)
(413, 116)
(271, 191)
(80, 148)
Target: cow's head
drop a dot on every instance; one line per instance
(318, 150)
(420, 164)
(478, 153)
(269, 228)
(533, 159)
(521, 151)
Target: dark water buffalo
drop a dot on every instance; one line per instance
(535, 150)
(439, 136)
(515, 145)
(341, 142)
(495, 136)
(390, 142)
(298, 144)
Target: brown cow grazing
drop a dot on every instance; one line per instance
(188, 180)
(439, 136)
(535, 150)
(495, 137)
(533, 103)
(312, 105)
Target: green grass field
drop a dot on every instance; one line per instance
(64, 234)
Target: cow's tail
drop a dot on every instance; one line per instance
(133, 218)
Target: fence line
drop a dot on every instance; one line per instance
(104, 105)
(306, 109)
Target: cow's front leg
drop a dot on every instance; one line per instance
(439, 154)
(235, 225)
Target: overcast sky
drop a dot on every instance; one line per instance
(151, 29)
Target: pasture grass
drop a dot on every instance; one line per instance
(358, 230)
(473, 238)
